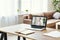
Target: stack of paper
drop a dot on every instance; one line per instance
(25, 32)
(53, 34)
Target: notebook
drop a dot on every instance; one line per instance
(53, 34)
(25, 32)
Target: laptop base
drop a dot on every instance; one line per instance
(36, 29)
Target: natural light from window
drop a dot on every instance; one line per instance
(33, 6)
(8, 7)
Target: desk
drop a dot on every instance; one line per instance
(3, 35)
(38, 35)
(12, 30)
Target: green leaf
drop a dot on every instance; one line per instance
(56, 3)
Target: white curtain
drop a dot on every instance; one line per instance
(25, 5)
(34, 6)
(38, 6)
(8, 12)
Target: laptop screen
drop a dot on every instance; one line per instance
(39, 21)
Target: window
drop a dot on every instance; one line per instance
(8, 7)
(25, 5)
(33, 6)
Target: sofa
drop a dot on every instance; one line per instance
(51, 22)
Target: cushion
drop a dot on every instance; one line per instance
(27, 16)
(38, 14)
(52, 21)
(56, 15)
(49, 15)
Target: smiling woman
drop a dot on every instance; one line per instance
(8, 12)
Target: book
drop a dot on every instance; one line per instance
(55, 34)
(25, 32)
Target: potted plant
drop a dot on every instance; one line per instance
(26, 10)
(56, 4)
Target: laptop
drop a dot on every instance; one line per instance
(38, 23)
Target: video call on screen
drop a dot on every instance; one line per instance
(38, 21)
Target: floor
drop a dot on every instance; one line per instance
(13, 37)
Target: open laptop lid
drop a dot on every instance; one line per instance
(38, 22)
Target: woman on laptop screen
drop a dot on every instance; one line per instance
(38, 21)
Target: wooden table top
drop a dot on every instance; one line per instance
(38, 35)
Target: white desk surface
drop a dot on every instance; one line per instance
(15, 28)
(38, 35)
